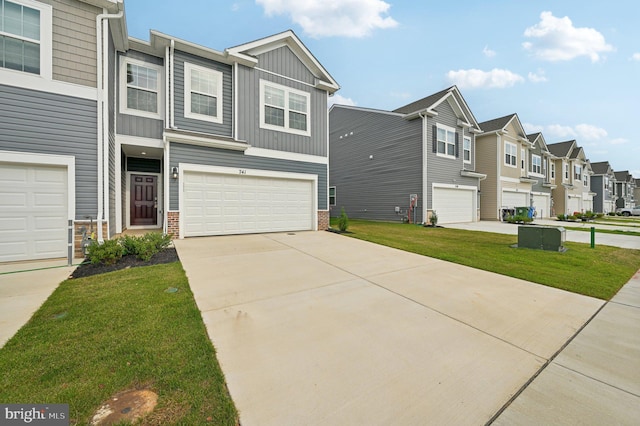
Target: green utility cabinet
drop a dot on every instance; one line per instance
(550, 238)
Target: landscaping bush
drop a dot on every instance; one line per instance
(519, 219)
(561, 217)
(145, 246)
(343, 221)
(108, 253)
(434, 218)
(572, 217)
(611, 213)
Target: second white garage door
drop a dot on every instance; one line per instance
(224, 204)
(512, 199)
(454, 205)
(541, 203)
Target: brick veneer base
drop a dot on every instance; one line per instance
(77, 241)
(173, 224)
(323, 220)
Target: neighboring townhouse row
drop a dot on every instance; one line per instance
(433, 156)
(100, 130)
(625, 189)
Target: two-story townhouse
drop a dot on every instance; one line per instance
(636, 191)
(504, 156)
(625, 189)
(572, 192)
(406, 163)
(220, 142)
(540, 168)
(53, 102)
(603, 185)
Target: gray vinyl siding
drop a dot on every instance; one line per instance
(223, 129)
(111, 96)
(597, 186)
(249, 116)
(538, 186)
(46, 123)
(133, 125)
(371, 188)
(283, 61)
(447, 170)
(182, 153)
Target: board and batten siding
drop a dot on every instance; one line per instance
(74, 42)
(194, 154)
(222, 129)
(46, 123)
(249, 116)
(133, 125)
(444, 170)
(375, 161)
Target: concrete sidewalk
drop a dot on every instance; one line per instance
(24, 286)
(316, 328)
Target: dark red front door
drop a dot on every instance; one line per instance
(144, 200)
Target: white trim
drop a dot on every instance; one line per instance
(287, 90)
(139, 141)
(35, 82)
(335, 195)
(453, 186)
(188, 68)
(445, 154)
(190, 167)
(467, 138)
(282, 155)
(284, 77)
(537, 174)
(67, 161)
(504, 156)
(508, 179)
(123, 88)
(160, 202)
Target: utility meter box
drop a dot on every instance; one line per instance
(542, 237)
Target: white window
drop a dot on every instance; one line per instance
(140, 88)
(536, 164)
(332, 195)
(553, 171)
(577, 172)
(510, 153)
(466, 149)
(585, 180)
(25, 37)
(284, 109)
(566, 170)
(202, 93)
(523, 160)
(446, 141)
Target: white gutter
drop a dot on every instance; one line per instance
(102, 46)
(425, 159)
(172, 89)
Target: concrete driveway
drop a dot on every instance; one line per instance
(316, 328)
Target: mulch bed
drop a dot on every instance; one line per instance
(87, 269)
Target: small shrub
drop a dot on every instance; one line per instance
(108, 253)
(145, 246)
(611, 213)
(561, 217)
(599, 215)
(433, 220)
(572, 217)
(343, 221)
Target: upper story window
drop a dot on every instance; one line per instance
(536, 164)
(466, 149)
(553, 170)
(566, 170)
(25, 37)
(202, 93)
(140, 88)
(284, 109)
(523, 160)
(585, 180)
(510, 153)
(577, 172)
(332, 195)
(446, 141)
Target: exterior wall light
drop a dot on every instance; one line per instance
(174, 172)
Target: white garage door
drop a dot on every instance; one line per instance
(221, 204)
(574, 205)
(453, 205)
(511, 199)
(587, 205)
(33, 212)
(541, 203)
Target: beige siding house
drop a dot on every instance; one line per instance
(572, 193)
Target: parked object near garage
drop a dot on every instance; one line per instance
(629, 211)
(549, 238)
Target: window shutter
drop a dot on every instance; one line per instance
(434, 134)
(457, 145)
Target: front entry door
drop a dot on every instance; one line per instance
(144, 200)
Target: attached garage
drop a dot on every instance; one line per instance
(221, 201)
(34, 204)
(454, 205)
(587, 203)
(574, 204)
(512, 199)
(542, 204)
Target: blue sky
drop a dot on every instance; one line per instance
(570, 69)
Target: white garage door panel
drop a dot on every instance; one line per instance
(514, 199)
(541, 203)
(573, 205)
(219, 204)
(33, 212)
(453, 205)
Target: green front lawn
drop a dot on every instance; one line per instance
(598, 272)
(100, 335)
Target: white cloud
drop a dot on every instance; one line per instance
(327, 18)
(340, 100)
(589, 132)
(488, 52)
(558, 131)
(619, 141)
(538, 77)
(556, 39)
(635, 57)
(474, 78)
(532, 128)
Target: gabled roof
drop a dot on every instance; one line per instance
(623, 176)
(290, 39)
(429, 104)
(562, 149)
(500, 125)
(601, 168)
(539, 139)
(575, 153)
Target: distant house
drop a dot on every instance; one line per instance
(572, 193)
(603, 185)
(636, 191)
(407, 163)
(625, 189)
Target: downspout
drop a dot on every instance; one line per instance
(168, 119)
(172, 94)
(425, 158)
(103, 113)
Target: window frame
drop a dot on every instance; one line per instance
(466, 139)
(188, 113)
(512, 147)
(552, 168)
(577, 172)
(585, 180)
(124, 85)
(287, 109)
(447, 143)
(536, 169)
(334, 196)
(45, 42)
(523, 159)
(565, 166)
